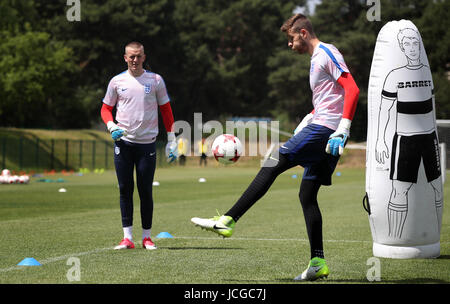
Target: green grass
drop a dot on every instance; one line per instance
(269, 245)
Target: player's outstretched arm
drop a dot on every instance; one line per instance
(339, 138)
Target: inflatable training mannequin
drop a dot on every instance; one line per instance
(403, 172)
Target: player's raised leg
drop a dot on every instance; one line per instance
(224, 225)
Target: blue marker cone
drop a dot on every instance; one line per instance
(164, 235)
(29, 262)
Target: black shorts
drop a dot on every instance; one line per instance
(407, 153)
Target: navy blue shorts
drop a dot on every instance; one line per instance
(307, 149)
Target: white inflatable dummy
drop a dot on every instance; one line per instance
(403, 172)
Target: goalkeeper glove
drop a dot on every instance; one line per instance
(338, 139)
(116, 131)
(171, 147)
(305, 121)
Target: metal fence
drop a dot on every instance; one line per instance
(444, 138)
(25, 154)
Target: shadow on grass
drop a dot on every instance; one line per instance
(200, 248)
(417, 281)
(291, 280)
(345, 281)
(444, 257)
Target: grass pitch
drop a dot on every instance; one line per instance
(269, 246)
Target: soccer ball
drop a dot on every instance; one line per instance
(226, 149)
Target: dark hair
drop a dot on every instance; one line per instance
(296, 23)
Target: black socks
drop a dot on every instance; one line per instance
(260, 184)
(313, 217)
(308, 198)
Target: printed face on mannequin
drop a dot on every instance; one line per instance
(411, 47)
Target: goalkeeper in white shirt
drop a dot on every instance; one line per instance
(137, 94)
(316, 145)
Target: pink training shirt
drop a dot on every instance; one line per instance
(137, 100)
(327, 65)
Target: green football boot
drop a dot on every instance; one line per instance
(317, 269)
(222, 225)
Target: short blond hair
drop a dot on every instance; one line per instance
(134, 45)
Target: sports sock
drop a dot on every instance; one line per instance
(396, 218)
(260, 184)
(439, 214)
(313, 217)
(317, 253)
(128, 233)
(145, 233)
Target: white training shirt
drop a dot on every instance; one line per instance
(327, 65)
(412, 88)
(137, 100)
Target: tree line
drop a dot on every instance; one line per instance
(220, 58)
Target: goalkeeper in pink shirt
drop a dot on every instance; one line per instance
(316, 145)
(137, 94)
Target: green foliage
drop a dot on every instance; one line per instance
(434, 25)
(289, 83)
(14, 15)
(225, 47)
(34, 80)
(442, 93)
(221, 58)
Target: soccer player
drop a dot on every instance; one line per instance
(316, 145)
(182, 150)
(202, 148)
(137, 93)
